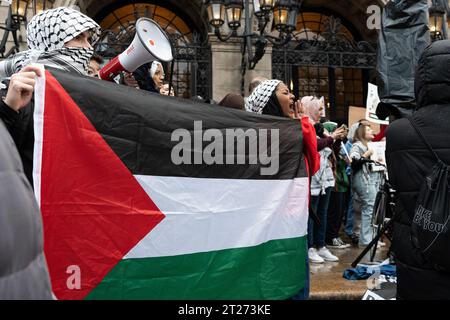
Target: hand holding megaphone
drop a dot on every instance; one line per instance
(150, 43)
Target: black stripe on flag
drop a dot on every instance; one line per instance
(141, 126)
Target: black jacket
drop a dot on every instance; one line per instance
(23, 269)
(21, 127)
(409, 162)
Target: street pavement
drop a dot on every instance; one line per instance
(327, 281)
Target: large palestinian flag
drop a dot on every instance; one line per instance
(141, 198)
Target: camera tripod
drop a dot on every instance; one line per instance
(382, 219)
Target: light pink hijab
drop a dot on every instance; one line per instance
(311, 106)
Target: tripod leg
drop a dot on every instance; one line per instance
(371, 244)
(374, 251)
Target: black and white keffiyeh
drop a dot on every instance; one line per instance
(51, 29)
(259, 98)
(47, 33)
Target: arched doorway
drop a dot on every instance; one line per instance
(325, 60)
(192, 69)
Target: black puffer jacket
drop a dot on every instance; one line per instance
(409, 162)
(23, 269)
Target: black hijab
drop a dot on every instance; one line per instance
(273, 107)
(143, 78)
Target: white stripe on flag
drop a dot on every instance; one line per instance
(204, 215)
(39, 109)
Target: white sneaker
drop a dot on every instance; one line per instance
(327, 255)
(314, 257)
(337, 243)
(347, 245)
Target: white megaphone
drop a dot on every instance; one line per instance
(150, 43)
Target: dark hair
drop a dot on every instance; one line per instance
(273, 107)
(254, 83)
(234, 101)
(97, 58)
(198, 99)
(320, 129)
(143, 78)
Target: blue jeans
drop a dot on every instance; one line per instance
(349, 229)
(367, 192)
(317, 233)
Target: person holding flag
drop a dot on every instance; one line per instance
(272, 97)
(61, 38)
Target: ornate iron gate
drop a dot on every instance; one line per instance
(198, 59)
(331, 56)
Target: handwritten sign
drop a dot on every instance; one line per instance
(372, 103)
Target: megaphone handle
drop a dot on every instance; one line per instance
(111, 70)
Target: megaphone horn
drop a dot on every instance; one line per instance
(150, 43)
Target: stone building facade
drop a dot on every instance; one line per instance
(334, 54)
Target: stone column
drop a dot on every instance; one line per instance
(21, 34)
(65, 3)
(3, 15)
(227, 61)
(226, 67)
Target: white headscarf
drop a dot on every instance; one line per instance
(311, 105)
(47, 33)
(260, 96)
(154, 68)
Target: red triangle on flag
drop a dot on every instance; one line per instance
(94, 210)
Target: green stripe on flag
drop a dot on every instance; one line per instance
(274, 270)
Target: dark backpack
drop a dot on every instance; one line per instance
(430, 228)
